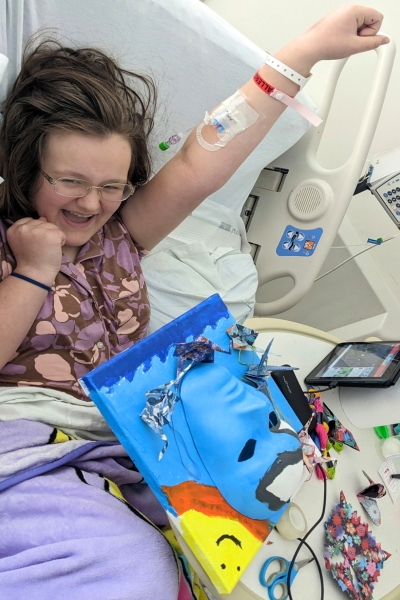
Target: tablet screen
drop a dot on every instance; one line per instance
(359, 360)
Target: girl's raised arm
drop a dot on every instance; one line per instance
(214, 151)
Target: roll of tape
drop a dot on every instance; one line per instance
(293, 523)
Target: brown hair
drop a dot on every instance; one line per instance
(66, 89)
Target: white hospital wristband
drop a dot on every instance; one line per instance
(291, 74)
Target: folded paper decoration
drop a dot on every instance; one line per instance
(337, 431)
(368, 499)
(230, 458)
(362, 556)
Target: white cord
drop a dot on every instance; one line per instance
(355, 245)
(354, 255)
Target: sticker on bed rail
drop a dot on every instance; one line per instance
(298, 242)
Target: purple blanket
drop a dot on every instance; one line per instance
(67, 532)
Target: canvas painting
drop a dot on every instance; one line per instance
(219, 452)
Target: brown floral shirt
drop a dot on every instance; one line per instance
(98, 307)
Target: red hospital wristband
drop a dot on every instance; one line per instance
(286, 99)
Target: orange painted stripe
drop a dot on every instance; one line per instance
(190, 495)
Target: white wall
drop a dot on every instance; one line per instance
(271, 24)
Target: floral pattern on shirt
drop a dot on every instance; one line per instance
(98, 307)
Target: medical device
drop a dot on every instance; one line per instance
(301, 203)
(233, 116)
(383, 181)
(171, 141)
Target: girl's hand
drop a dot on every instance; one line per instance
(341, 33)
(346, 31)
(37, 247)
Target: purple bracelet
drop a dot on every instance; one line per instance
(42, 285)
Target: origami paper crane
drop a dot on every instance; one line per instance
(368, 499)
(200, 350)
(161, 400)
(337, 431)
(257, 374)
(158, 410)
(243, 338)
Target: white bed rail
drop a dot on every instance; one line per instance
(295, 227)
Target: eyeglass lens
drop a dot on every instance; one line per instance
(113, 192)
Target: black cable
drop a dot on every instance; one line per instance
(362, 184)
(303, 542)
(317, 563)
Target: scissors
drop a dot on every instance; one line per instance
(280, 578)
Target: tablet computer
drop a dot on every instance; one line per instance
(362, 364)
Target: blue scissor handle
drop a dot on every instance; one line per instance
(278, 577)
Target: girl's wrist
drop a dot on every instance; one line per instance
(34, 282)
(44, 277)
(299, 55)
(296, 56)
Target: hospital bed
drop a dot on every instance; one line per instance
(171, 39)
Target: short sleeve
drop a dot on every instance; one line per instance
(142, 252)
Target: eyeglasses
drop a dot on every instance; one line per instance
(78, 188)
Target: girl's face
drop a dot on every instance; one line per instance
(97, 160)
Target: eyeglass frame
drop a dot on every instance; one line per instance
(91, 187)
